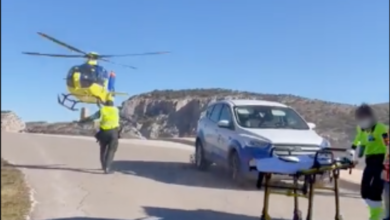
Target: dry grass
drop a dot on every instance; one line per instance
(15, 201)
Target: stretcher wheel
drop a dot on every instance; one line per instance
(265, 217)
(297, 215)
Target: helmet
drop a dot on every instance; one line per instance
(364, 111)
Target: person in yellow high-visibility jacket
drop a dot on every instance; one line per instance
(108, 135)
(372, 138)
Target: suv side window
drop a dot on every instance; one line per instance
(226, 114)
(209, 111)
(214, 116)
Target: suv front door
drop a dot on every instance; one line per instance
(204, 125)
(212, 129)
(224, 135)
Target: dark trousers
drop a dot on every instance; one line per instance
(372, 183)
(108, 141)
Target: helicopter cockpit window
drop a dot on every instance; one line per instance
(88, 75)
(101, 75)
(94, 74)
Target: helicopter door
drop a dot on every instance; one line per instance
(78, 78)
(69, 77)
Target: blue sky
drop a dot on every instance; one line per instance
(333, 50)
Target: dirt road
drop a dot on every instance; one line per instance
(152, 181)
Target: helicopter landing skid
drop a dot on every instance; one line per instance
(66, 98)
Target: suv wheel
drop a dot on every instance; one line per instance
(235, 168)
(200, 161)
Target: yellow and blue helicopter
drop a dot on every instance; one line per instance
(88, 82)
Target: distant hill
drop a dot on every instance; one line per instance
(174, 113)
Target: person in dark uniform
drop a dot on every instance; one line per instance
(386, 178)
(108, 134)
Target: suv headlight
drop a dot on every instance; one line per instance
(256, 143)
(325, 143)
(255, 149)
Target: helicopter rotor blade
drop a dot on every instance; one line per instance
(119, 64)
(61, 43)
(52, 55)
(134, 54)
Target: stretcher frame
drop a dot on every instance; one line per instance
(307, 190)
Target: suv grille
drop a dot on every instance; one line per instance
(295, 150)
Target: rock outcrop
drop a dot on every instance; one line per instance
(11, 122)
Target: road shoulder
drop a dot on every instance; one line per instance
(15, 196)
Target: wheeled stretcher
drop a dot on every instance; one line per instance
(306, 168)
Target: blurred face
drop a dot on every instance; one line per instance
(365, 121)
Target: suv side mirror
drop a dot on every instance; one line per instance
(224, 124)
(311, 125)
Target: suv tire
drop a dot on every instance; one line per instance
(200, 160)
(235, 169)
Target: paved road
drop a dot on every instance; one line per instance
(150, 181)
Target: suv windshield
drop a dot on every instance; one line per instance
(269, 117)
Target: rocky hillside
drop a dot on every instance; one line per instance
(74, 128)
(11, 122)
(169, 113)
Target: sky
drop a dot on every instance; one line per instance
(332, 50)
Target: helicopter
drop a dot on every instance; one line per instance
(88, 82)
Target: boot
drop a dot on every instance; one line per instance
(107, 170)
(102, 162)
(376, 213)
